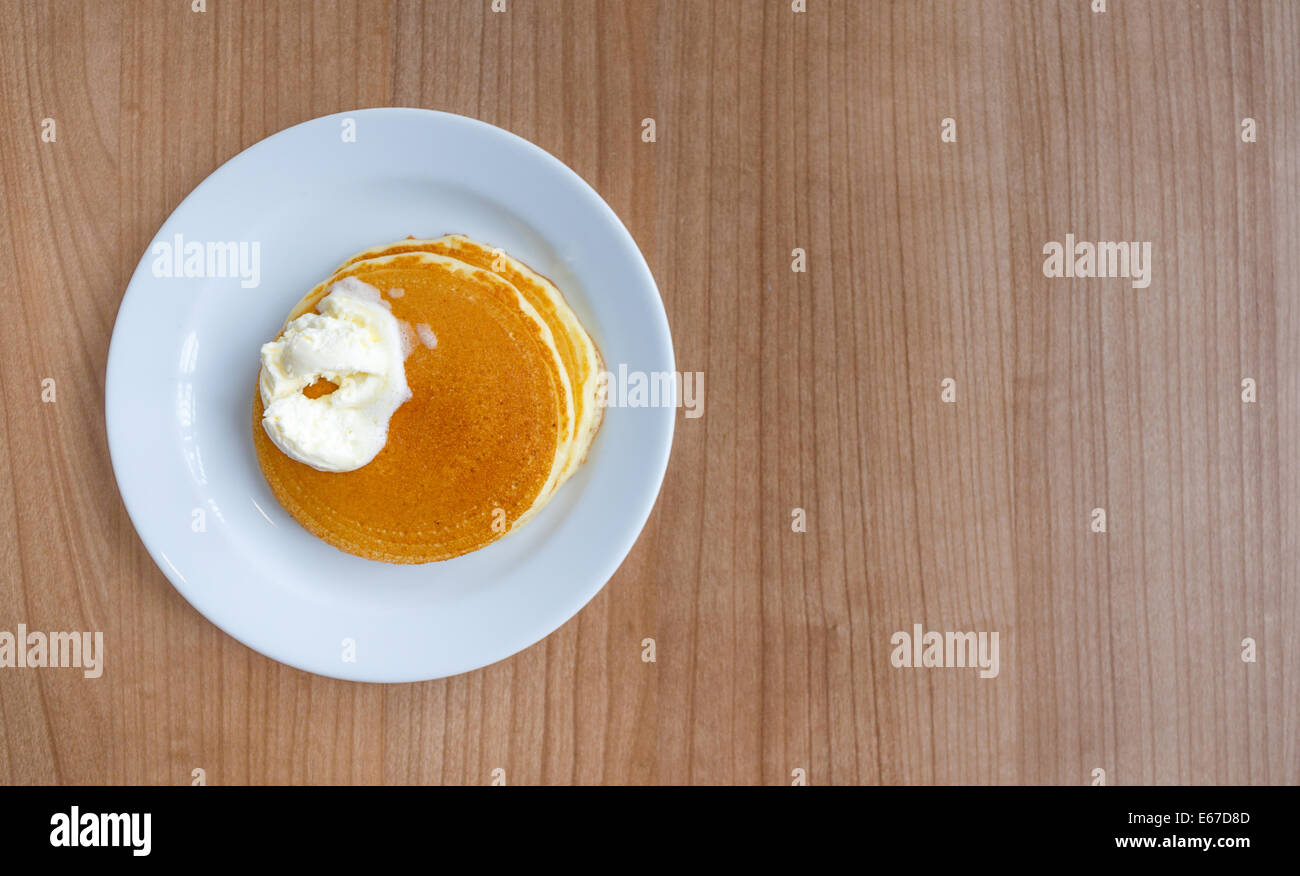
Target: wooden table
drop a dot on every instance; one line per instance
(774, 130)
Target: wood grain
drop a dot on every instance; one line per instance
(776, 130)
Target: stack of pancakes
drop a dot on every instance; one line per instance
(503, 407)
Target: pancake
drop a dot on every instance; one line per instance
(556, 329)
(581, 359)
(482, 442)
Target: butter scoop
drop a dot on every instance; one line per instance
(354, 342)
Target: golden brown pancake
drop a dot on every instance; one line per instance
(559, 331)
(580, 358)
(479, 446)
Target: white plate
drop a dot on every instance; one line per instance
(184, 359)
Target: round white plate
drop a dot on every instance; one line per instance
(183, 363)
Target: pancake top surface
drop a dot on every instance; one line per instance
(579, 356)
(475, 447)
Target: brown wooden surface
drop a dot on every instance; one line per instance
(776, 130)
